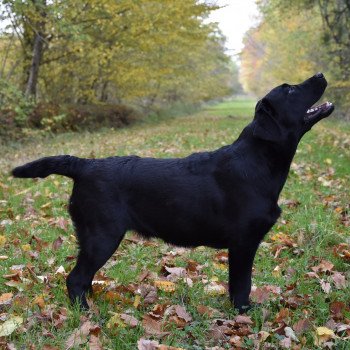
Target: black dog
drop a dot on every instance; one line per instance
(223, 199)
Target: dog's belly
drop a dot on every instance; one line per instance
(185, 230)
(190, 239)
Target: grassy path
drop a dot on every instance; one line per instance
(301, 275)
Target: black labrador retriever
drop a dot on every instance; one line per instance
(223, 199)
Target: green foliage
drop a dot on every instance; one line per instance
(14, 105)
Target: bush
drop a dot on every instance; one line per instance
(14, 105)
(55, 118)
(14, 111)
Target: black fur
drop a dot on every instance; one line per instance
(223, 199)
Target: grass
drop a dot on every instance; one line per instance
(315, 204)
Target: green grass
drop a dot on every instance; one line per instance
(33, 213)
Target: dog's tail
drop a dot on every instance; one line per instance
(62, 165)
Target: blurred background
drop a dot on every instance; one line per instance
(67, 65)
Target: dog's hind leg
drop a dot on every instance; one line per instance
(96, 247)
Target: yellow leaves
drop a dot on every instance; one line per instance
(165, 286)
(10, 325)
(263, 335)
(214, 288)
(39, 301)
(220, 266)
(323, 334)
(115, 321)
(2, 241)
(26, 247)
(276, 271)
(137, 301)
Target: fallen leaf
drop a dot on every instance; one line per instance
(208, 311)
(2, 241)
(115, 321)
(235, 340)
(326, 286)
(286, 343)
(322, 335)
(57, 243)
(10, 325)
(6, 298)
(145, 344)
(324, 266)
(337, 308)
(80, 335)
(263, 335)
(15, 284)
(60, 271)
(26, 247)
(175, 273)
(95, 343)
(159, 310)
(222, 257)
(40, 301)
(165, 286)
(129, 320)
(339, 280)
(153, 327)
(182, 313)
(149, 293)
(214, 288)
(243, 319)
(302, 326)
(137, 301)
(290, 334)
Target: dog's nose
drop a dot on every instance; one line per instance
(319, 75)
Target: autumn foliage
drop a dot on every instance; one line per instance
(296, 39)
(148, 54)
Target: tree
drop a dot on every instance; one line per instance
(296, 39)
(143, 52)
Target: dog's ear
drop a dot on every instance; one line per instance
(266, 127)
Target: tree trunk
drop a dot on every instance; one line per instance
(38, 26)
(34, 68)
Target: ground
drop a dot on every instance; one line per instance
(151, 293)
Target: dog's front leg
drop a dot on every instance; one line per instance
(241, 257)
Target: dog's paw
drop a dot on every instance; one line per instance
(242, 309)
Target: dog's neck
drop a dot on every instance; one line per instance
(275, 157)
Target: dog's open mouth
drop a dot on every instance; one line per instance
(319, 112)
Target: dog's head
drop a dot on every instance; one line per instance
(288, 111)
